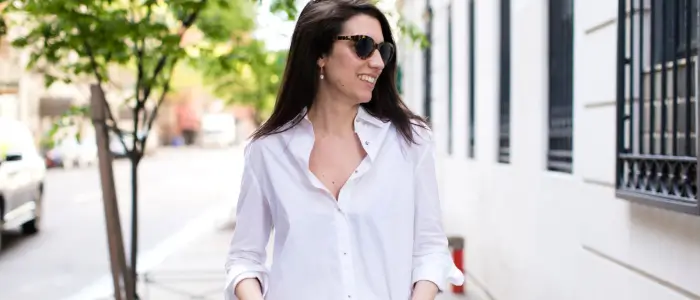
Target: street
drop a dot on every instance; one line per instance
(70, 253)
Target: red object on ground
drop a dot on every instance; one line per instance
(457, 247)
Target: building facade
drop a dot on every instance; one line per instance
(562, 186)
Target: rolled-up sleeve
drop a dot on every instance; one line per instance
(247, 253)
(432, 260)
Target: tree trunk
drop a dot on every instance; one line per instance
(119, 267)
(134, 222)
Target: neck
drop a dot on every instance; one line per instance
(332, 117)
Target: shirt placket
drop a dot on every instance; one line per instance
(344, 242)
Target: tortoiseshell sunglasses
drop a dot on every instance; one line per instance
(365, 46)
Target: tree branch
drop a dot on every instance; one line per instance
(110, 117)
(186, 24)
(154, 114)
(139, 51)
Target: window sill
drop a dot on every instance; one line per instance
(659, 201)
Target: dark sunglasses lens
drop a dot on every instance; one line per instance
(386, 50)
(364, 47)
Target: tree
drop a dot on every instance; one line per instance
(72, 40)
(249, 74)
(86, 40)
(3, 27)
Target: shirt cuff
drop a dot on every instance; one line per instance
(440, 273)
(234, 278)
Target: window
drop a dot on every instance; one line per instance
(427, 62)
(656, 107)
(561, 64)
(504, 89)
(471, 83)
(449, 80)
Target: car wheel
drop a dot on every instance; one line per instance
(33, 225)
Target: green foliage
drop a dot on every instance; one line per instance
(406, 28)
(72, 40)
(70, 117)
(223, 24)
(83, 40)
(412, 31)
(248, 75)
(286, 7)
(3, 27)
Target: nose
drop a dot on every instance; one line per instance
(376, 61)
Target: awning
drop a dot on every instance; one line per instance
(54, 106)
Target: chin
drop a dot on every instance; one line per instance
(364, 98)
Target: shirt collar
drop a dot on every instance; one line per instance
(362, 115)
(369, 129)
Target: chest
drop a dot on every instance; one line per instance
(333, 160)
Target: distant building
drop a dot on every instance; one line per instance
(562, 189)
(9, 80)
(20, 89)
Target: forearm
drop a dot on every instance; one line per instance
(424, 290)
(249, 289)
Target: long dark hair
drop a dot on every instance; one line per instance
(320, 21)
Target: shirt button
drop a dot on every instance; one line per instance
(366, 142)
(355, 171)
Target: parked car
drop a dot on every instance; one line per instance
(218, 130)
(118, 150)
(22, 175)
(68, 152)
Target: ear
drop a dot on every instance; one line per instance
(321, 62)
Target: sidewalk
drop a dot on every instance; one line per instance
(196, 272)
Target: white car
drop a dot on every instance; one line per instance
(118, 150)
(22, 174)
(218, 130)
(69, 152)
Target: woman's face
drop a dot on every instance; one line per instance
(344, 71)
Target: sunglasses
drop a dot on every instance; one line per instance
(365, 46)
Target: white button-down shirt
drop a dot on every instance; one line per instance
(383, 234)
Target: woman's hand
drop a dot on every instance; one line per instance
(249, 289)
(424, 290)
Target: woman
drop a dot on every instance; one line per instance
(343, 171)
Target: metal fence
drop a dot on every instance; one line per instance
(656, 103)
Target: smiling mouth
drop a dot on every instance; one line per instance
(367, 78)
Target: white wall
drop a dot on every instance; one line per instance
(534, 234)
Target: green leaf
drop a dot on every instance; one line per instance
(3, 26)
(87, 41)
(287, 7)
